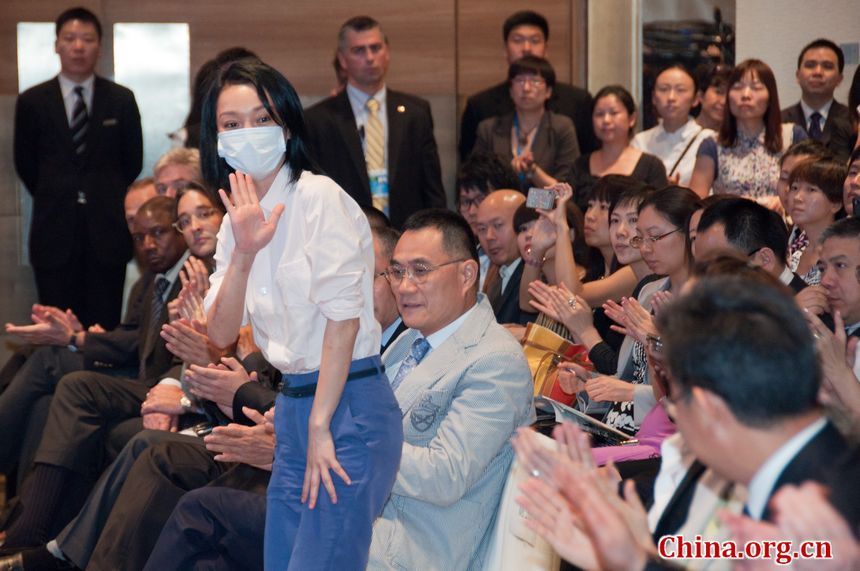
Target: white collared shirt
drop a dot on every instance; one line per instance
(808, 111)
(317, 267)
(762, 483)
(358, 101)
(786, 275)
(505, 272)
(484, 264)
(669, 146)
(67, 88)
(172, 274)
(434, 339)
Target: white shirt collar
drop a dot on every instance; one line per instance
(173, 273)
(276, 193)
(786, 276)
(808, 111)
(762, 483)
(436, 339)
(505, 272)
(358, 99)
(67, 85)
(689, 128)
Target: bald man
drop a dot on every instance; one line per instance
(495, 226)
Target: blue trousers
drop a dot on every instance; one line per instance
(368, 437)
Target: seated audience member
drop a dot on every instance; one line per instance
(744, 158)
(455, 453)
(614, 117)
(751, 230)
(676, 138)
(376, 218)
(477, 177)
(854, 106)
(851, 189)
(592, 329)
(87, 404)
(375, 142)
(526, 33)
(540, 145)
(819, 73)
(794, 155)
(384, 304)
(815, 202)
(725, 328)
(175, 169)
(495, 223)
(712, 82)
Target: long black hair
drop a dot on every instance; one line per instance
(280, 100)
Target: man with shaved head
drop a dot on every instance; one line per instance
(495, 226)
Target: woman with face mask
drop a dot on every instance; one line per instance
(295, 260)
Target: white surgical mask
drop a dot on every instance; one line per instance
(255, 151)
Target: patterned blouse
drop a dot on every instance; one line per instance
(798, 242)
(748, 169)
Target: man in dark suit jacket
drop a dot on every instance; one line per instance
(498, 237)
(526, 33)
(375, 142)
(78, 146)
(88, 404)
(819, 73)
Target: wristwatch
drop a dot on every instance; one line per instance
(185, 403)
(71, 346)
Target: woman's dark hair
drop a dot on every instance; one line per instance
(772, 118)
(581, 251)
(712, 75)
(532, 65)
(676, 204)
(191, 186)
(622, 95)
(828, 176)
(279, 99)
(854, 98)
(807, 148)
(683, 69)
(607, 189)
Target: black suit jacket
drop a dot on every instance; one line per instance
(414, 174)
(508, 310)
(566, 99)
(837, 134)
(53, 174)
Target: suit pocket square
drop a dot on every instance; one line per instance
(110, 123)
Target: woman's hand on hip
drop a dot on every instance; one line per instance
(321, 459)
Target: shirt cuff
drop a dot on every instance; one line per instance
(170, 382)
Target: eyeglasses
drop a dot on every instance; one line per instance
(156, 233)
(655, 344)
(467, 203)
(533, 80)
(202, 214)
(418, 273)
(639, 241)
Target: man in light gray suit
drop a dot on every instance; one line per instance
(461, 403)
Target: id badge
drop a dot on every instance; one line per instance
(379, 189)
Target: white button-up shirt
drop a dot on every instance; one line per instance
(70, 98)
(318, 267)
(669, 146)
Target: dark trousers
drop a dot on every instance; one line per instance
(88, 286)
(212, 528)
(36, 378)
(122, 518)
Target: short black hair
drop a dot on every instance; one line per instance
(525, 18)
(609, 187)
(745, 341)
(192, 186)
(78, 13)
(807, 148)
(457, 237)
(285, 108)
(626, 190)
(387, 238)
(749, 226)
(712, 75)
(828, 176)
(486, 172)
(823, 43)
(375, 217)
(845, 228)
(855, 155)
(358, 24)
(532, 65)
(682, 68)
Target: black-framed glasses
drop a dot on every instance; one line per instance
(202, 214)
(418, 272)
(638, 241)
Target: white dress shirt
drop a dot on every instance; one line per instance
(808, 111)
(317, 267)
(67, 88)
(358, 101)
(505, 272)
(762, 483)
(669, 146)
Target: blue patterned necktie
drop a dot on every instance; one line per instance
(419, 349)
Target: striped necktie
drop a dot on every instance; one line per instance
(155, 313)
(374, 138)
(80, 122)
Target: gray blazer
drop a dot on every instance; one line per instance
(554, 149)
(460, 407)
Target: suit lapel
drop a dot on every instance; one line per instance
(346, 125)
(396, 114)
(97, 114)
(512, 287)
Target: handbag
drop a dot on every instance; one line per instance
(544, 350)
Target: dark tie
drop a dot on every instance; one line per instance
(815, 126)
(493, 285)
(80, 121)
(156, 310)
(419, 349)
